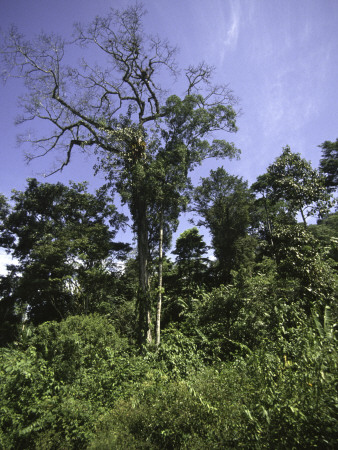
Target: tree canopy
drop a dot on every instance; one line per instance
(63, 239)
(223, 201)
(291, 179)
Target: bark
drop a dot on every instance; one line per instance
(160, 272)
(144, 290)
(303, 217)
(268, 223)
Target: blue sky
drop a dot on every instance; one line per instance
(280, 57)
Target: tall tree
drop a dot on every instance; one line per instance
(62, 240)
(160, 178)
(224, 203)
(112, 107)
(4, 211)
(299, 257)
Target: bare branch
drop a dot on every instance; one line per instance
(198, 76)
(84, 103)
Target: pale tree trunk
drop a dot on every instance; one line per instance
(144, 289)
(160, 272)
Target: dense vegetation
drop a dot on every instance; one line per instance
(248, 356)
(245, 354)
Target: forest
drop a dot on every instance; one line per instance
(156, 344)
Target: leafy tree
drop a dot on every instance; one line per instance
(224, 203)
(8, 314)
(60, 236)
(326, 231)
(113, 108)
(329, 163)
(185, 281)
(190, 250)
(161, 180)
(291, 179)
(267, 212)
(300, 261)
(4, 209)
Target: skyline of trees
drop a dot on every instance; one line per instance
(153, 343)
(62, 238)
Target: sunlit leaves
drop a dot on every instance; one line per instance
(292, 179)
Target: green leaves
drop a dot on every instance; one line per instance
(60, 235)
(190, 249)
(193, 117)
(223, 201)
(292, 179)
(222, 149)
(329, 163)
(55, 388)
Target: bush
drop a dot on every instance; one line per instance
(56, 387)
(177, 356)
(262, 400)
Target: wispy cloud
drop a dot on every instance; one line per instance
(229, 28)
(293, 93)
(233, 31)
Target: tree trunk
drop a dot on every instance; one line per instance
(144, 290)
(160, 271)
(303, 217)
(268, 224)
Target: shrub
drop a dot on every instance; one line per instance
(262, 400)
(63, 379)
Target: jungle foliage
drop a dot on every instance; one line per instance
(245, 354)
(249, 362)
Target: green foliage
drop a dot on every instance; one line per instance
(190, 250)
(27, 393)
(77, 384)
(63, 242)
(224, 203)
(4, 211)
(291, 179)
(262, 400)
(193, 118)
(10, 315)
(329, 163)
(236, 319)
(251, 364)
(76, 343)
(163, 416)
(299, 258)
(326, 231)
(67, 374)
(266, 307)
(178, 355)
